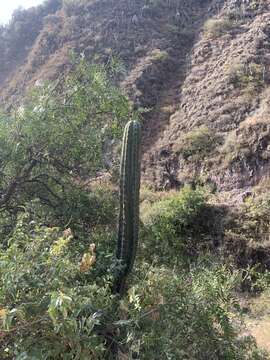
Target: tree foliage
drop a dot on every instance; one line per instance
(62, 134)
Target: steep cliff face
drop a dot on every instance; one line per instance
(200, 67)
(137, 32)
(17, 39)
(220, 132)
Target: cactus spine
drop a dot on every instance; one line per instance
(129, 200)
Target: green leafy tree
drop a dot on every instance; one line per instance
(61, 135)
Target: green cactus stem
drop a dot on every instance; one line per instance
(130, 174)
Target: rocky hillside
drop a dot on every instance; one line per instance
(200, 67)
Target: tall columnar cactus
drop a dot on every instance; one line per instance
(129, 200)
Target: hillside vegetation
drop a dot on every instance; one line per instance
(195, 75)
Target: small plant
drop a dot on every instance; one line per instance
(234, 149)
(217, 27)
(159, 55)
(129, 201)
(250, 77)
(199, 142)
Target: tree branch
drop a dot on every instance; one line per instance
(25, 173)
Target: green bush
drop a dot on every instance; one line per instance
(85, 209)
(172, 226)
(185, 316)
(252, 218)
(246, 239)
(197, 143)
(57, 304)
(250, 77)
(217, 27)
(52, 301)
(159, 56)
(256, 212)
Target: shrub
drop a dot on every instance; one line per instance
(254, 217)
(247, 145)
(184, 316)
(173, 225)
(56, 304)
(217, 27)
(198, 143)
(159, 55)
(246, 239)
(250, 76)
(85, 209)
(234, 148)
(51, 302)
